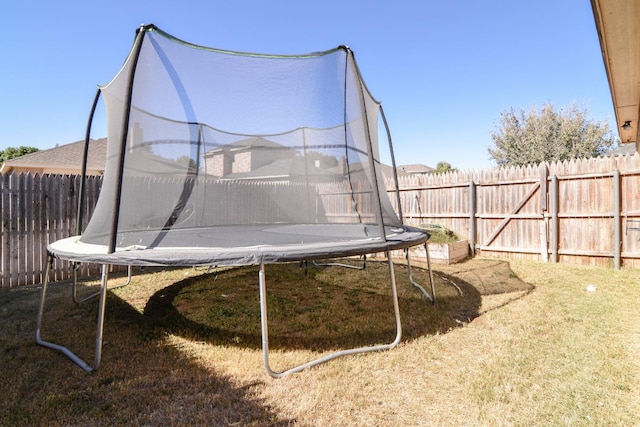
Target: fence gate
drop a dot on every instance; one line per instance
(510, 216)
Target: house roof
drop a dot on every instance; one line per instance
(287, 168)
(69, 157)
(62, 157)
(618, 26)
(415, 168)
(404, 170)
(246, 144)
(623, 149)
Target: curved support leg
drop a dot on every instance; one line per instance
(431, 297)
(339, 264)
(431, 281)
(95, 294)
(99, 324)
(265, 330)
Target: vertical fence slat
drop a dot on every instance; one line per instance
(44, 223)
(29, 230)
(37, 230)
(13, 228)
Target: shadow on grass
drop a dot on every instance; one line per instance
(142, 380)
(325, 308)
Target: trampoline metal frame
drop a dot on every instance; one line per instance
(99, 323)
(331, 356)
(102, 293)
(431, 297)
(74, 291)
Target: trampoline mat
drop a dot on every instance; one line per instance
(240, 245)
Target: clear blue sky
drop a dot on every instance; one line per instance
(444, 70)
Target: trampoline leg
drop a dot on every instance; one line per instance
(265, 330)
(75, 281)
(431, 281)
(99, 322)
(74, 285)
(339, 264)
(431, 297)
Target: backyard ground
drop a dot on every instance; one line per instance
(507, 343)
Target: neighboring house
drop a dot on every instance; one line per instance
(289, 170)
(257, 158)
(405, 170)
(63, 159)
(414, 169)
(261, 159)
(243, 157)
(623, 149)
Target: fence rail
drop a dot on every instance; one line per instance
(582, 211)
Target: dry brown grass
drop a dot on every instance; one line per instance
(508, 343)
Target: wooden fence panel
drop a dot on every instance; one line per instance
(630, 189)
(510, 215)
(37, 210)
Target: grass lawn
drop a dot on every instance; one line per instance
(507, 343)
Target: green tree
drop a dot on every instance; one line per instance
(13, 152)
(548, 135)
(188, 162)
(444, 167)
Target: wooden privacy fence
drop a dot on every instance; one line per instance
(584, 211)
(37, 210)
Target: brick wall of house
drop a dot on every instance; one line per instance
(241, 162)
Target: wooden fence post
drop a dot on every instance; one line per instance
(472, 217)
(544, 207)
(617, 223)
(544, 188)
(553, 196)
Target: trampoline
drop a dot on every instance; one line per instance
(221, 158)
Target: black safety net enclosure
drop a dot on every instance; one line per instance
(217, 157)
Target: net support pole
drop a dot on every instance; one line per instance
(431, 297)
(396, 182)
(85, 160)
(124, 134)
(83, 175)
(372, 160)
(328, 357)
